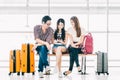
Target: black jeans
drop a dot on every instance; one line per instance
(73, 53)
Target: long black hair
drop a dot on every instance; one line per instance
(57, 30)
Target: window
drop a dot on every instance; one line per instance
(12, 22)
(114, 42)
(97, 3)
(114, 3)
(11, 41)
(114, 22)
(98, 22)
(40, 3)
(100, 42)
(13, 3)
(68, 3)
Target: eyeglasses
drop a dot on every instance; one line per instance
(48, 24)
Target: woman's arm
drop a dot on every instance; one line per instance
(66, 39)
(80, 41)
(71, 41)
(55, 41)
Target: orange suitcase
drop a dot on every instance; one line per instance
(27, 59)
(14, 62)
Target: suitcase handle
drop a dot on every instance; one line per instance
(12, 57)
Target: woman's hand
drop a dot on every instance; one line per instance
(77, 44)
(73, 45)
(61, 41)
(58, 41)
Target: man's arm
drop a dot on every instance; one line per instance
(36, 35)
(41, 42)
(50, 38)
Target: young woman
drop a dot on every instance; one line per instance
(76, 34)
(60, 40)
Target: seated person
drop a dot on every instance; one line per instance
(60, 41)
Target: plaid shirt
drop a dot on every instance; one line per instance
(47, 36)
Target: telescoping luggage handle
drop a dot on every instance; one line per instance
(13, 56)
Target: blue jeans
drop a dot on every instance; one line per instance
(57, 45)
(42, 51)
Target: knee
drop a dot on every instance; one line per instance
(43, 47)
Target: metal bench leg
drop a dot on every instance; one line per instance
(83, 65)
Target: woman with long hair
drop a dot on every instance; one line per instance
(60, 41)
(76, 34)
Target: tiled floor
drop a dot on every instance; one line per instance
(114, 75)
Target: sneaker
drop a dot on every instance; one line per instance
(55, 70)
(60, 75)
(47, 70)
(79, 70)
(41, 74)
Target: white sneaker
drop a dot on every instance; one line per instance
(41, 74)
(47, 70)
(60, 75)
(55, 70)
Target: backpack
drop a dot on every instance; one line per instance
(87, 47)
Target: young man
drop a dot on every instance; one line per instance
(43, 36)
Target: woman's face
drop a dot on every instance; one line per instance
(60, 25)
(72, 23)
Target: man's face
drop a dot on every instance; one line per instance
(47, 24)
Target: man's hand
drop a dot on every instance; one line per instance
(48, 45)
(34, 47)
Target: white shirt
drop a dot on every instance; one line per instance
(72, 32)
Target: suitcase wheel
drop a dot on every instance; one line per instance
(18, 73)
(9, 74)
(83, 73)
(98, 73)
(107, 73)
(22, 73)
(33, 73)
